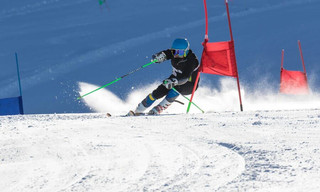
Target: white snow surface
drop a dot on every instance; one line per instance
(269, 150)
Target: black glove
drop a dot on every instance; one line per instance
(160, 57)
(169, 83)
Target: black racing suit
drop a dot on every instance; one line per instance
(185, 70)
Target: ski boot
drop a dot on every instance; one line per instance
(145, 103)
(164, 104)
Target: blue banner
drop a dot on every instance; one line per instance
(11, 106)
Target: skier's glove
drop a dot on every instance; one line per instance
(169, 83)
(160, 57)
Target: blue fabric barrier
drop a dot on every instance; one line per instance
(11, 106)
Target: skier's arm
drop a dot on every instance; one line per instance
(182, 81)
(168, 53)
(162, 56)
(173, 81)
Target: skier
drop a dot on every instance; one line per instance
(185, 67)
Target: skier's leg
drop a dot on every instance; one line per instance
(145, 103)
(165, 103)
(151, 98)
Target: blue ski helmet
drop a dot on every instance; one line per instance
(182, 46)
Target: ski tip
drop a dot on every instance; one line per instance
(131, 113)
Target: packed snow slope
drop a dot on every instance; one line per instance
(61, 43)
(222, 151)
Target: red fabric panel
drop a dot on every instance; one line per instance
(219, 58)
(293, 82)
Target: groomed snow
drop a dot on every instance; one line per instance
(275, 150)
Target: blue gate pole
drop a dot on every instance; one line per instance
(18, 72)
(20, 90)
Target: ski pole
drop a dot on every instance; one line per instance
(188, 100)
(165, 82)
(179, 102)
(118, 79)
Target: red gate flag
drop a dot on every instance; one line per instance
(293, 82)
(219, 58)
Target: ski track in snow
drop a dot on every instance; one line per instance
(109, 155)
(9, 85)
(227, 151)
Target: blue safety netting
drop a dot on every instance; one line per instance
(11, 106)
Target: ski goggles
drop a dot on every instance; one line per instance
(180, 52)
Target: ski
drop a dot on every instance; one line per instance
(131, 113)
